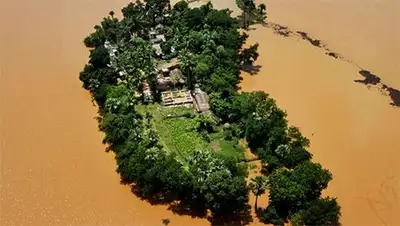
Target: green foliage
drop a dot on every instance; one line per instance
(95, 39)
(136, 60)
(265, 127)
(245, 104)
(294, 152)
(109, 29)
(251, 14)
(119, 100)
(178, 134)
(220, 18)
(118, 127)
(205, 123)
(291, 190)
(230, 149)
(99, 57)
(188, 64)
(222, 80)
(181, 6)
(249, 55)
(93, 78)
(271, 216)
(322, 211)
(100, 95)
(313, 177)
(225, 193)
(257, 186)
(202, 163)
(194, 18)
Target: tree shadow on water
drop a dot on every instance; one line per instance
(182, 208)
(251, 69)
(243, 218)
(189, 208)
(173, 203)
(154, 199)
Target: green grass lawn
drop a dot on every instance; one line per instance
(177, 131)
(229, 148)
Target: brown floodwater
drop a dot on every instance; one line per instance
(54, 170)
(354, 131)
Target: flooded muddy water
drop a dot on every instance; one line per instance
(353, 129)
(54, 170)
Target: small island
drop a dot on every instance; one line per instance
(165, 78)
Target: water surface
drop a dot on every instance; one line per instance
(54, 170)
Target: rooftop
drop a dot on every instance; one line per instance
(170, 65)
(201, 100)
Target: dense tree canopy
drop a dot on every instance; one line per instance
(294, 190)
(224, 193)
(322, 211)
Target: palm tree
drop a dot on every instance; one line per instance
(257, 186)
(262, 7)
(112, 14)
(187, 63)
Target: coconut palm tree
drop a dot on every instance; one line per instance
(257, 186)
(112, 13)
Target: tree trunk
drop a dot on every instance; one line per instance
(255, 205)
(245, 18)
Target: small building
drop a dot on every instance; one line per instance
(161, 37)
(147, 92)
(159, 27)
(166, 67)
(177, 98)
(156, 38)
(200, 100)
(176, 76)
(167, 79)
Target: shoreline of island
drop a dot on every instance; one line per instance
(194, 159)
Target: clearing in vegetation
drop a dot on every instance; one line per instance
(178, 131)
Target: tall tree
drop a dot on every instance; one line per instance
(187, 64)
(112, 13)
(257, 186)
